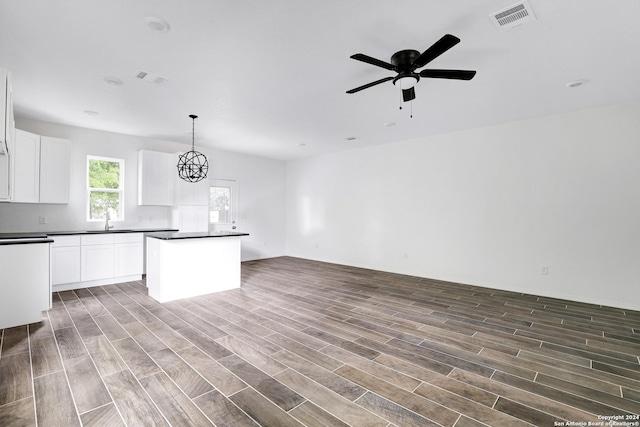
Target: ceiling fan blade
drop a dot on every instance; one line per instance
(448, 74)
(438, 48)
(373, 61)
(408, 94)
(377, 82)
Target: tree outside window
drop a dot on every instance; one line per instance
(105, 188)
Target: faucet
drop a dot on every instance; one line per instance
(107, 227)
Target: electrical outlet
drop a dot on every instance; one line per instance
(545, 270)
(42, 220)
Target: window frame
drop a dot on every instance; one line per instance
(119, 190)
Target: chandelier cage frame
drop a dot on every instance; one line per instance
(193, 166)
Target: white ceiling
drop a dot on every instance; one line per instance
(266, 77)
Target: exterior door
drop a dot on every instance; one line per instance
(223, 205)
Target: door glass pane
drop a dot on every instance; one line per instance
(219, 205)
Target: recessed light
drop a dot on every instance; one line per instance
(91, 113)
(388, 124)
(576, 83)
(113, 81)
(157, 24)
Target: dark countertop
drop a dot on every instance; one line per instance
(4, 236)
(113, 230)
(176, 236)
(22, 240)
(44, 236)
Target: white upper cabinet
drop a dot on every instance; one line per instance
(6, 113)
(26, 167)
(55, 170)
(155, 178)
(7, 127)
(41, 169)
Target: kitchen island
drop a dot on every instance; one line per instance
(183, 265)
(24, 278)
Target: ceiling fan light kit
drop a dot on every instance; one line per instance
(407, 62)
(406, 82)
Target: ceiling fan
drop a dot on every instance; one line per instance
(406, 62)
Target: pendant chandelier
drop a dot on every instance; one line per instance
(192, 165)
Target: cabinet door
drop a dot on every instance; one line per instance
(26, 167)
(155, 178)
(129, 259)
(65, 265)
(55, 166)
(6, 135)
(97, 262)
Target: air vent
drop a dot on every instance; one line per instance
(151, 77)
(513, 16)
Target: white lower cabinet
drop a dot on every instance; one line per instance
(65, 260)
(97, 262)
(96, 259)
(129, 254)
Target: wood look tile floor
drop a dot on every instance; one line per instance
(305, 343)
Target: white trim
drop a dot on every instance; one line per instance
(120, 190)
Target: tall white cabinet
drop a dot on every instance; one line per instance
(41, 169)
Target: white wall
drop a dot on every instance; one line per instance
(261, 188)
(488, 207)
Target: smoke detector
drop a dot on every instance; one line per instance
(513, 16)
(151, 77)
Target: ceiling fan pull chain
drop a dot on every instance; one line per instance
(411, 116)
(401, 99)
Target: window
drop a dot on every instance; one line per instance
(222, 201)
(105, 188)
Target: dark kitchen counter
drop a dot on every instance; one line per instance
(200, 235)
(111, 231)
(45, 236)
(23, 238)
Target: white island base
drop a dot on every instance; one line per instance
(184, 265)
